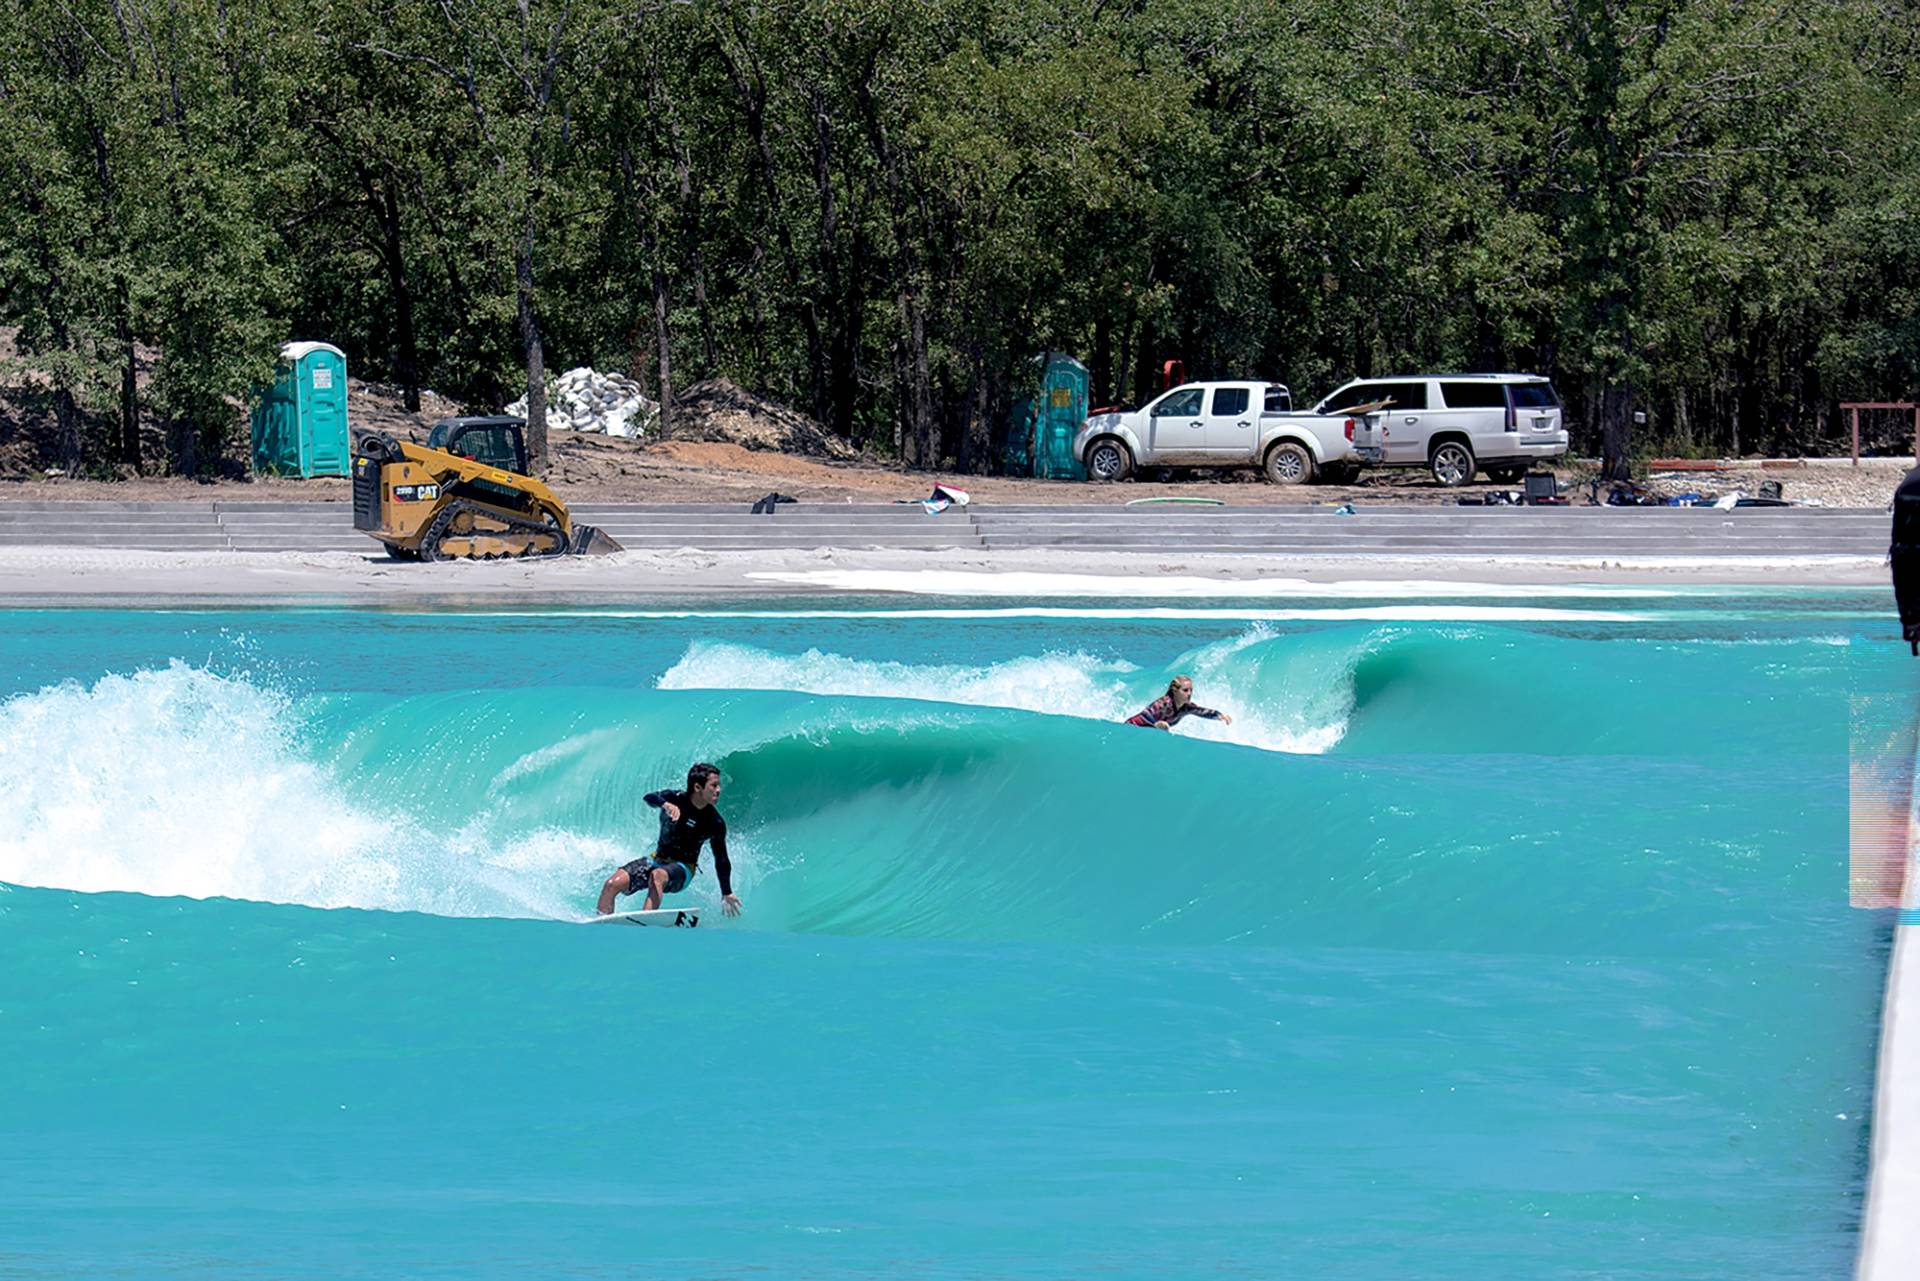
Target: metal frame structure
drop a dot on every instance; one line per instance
(1853, 408)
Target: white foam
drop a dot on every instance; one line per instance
(1308, 716)
(183, 782)
(1038, 585)
(1067, 684)
(1248, 614)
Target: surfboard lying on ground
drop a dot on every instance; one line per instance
(684, 917)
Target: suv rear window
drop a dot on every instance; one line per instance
(1474, 395)
(1348, 397)
(1229, 400)
(1403, 395)
(1534, 396)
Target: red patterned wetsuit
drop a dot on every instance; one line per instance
(1162, 709)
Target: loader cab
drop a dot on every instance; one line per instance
(498, 442)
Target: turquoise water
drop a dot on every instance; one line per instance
(1480, 945)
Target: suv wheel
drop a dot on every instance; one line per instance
(1289, 463)
(1452, 463)
(1109, 461)
(1506, 475)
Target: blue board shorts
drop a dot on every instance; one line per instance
(640, 875)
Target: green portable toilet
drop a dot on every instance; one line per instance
(300, 422)
(1040, 437)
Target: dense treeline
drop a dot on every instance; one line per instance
(1707, 211)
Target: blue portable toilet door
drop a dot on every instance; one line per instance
(320, 415)
(323, 443)
(1064, 401)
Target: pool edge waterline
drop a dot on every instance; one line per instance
(1890, 1225)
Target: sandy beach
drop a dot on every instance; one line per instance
(57, 573)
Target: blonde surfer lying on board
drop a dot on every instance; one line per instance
(1165, 711)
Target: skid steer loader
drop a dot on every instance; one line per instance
(464, 494)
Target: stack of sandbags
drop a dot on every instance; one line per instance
(586, 400)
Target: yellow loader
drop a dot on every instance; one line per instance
(464, 494)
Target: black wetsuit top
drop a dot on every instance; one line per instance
(680, 841)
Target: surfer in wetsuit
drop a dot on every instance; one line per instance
(1165, 711)
(687, 821)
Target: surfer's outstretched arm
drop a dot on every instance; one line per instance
(723, 870)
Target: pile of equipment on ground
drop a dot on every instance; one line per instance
(584, 399)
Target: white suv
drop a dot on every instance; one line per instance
(1455, 424)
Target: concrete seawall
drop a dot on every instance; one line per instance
(1616, 533)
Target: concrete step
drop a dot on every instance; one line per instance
(107, 520)
(965, 533)
(1439, 549)
(636, 542)
(1463, 539)
(1756, 518)
(275, 542)
(593, 517)
(161, 542)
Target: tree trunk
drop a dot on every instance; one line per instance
(687, 226)
(183, 442)
(66, 417)
(913, 379)
(666, 355)
(129, 379)
(1145, 376)
(536, 355)
(1100, 372)
(406, 354)
(696, 260)
(989, 408)
(752, 93)
(1616, 432)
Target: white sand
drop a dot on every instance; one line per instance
(59, 572)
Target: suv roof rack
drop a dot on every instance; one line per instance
(1484, 374)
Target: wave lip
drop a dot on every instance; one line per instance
(1065, 684)
(1286, 694)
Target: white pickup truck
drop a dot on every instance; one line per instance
(1228, 424)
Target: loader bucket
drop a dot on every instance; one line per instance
(588, 541)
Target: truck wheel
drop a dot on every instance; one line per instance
(1289, 463)
(1506, 475)
(1109, 461)
(1452, 463)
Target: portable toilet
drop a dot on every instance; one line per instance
(1040, 437)
(300, 421)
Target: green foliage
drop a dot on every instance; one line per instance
(880, 212)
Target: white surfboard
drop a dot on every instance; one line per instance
(682, 917)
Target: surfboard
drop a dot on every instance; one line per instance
(1204, 502)
(683, 917)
